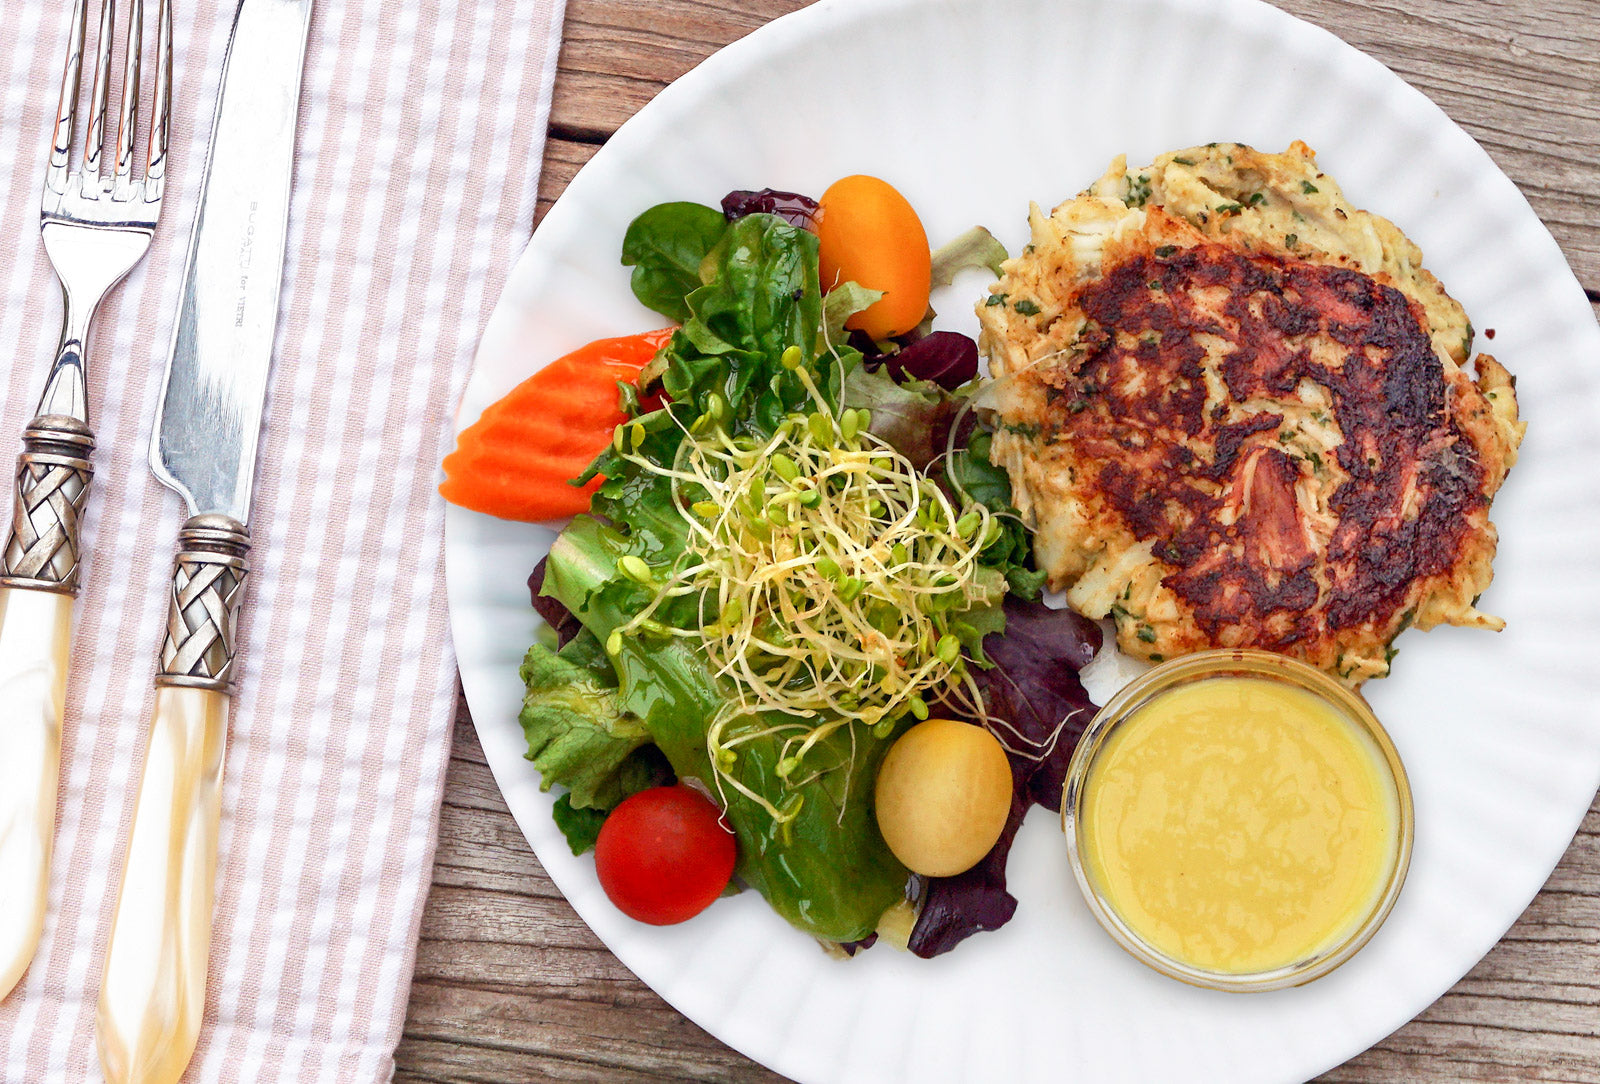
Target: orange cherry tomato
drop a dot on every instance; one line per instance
(870, 235)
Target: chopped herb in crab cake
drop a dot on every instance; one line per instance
(1237, 411)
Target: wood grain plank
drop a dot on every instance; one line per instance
(511, 985)
(618, 54)
(508, 1038)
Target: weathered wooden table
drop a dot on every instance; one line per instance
(512, 986)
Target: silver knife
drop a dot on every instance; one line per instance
(153, 992)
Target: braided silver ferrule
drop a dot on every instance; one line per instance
(53, 475)
(208, 578)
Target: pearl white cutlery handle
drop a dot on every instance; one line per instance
(153, 994)
(38, 579)
(35, 638)
(154, 988)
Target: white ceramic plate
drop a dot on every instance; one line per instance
(974, 108)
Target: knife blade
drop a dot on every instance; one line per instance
(207, 427)
(209, 416)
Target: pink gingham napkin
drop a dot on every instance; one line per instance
(421, 131)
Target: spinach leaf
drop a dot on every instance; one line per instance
(665, 247)
(974, 476)
(762, 297)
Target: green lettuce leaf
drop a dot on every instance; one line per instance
(578, 735)
(914, 416)
(975, 248)
(841, 303)
(580, 738)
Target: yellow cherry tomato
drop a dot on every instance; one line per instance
(869, 234)
(943, 795)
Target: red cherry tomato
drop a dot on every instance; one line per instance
(867, 233)
(663, 855)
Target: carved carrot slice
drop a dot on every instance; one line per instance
(518, 459)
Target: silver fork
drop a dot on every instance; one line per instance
(96, 225)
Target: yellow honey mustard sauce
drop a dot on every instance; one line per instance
(1239, 825)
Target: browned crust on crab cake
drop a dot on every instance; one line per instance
(1225, 437)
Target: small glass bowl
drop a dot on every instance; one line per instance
(1198, 667)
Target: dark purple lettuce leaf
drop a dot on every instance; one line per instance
(850, 948)
(557, 616)
(955, 908)
(792, 207)
(1033, 692)
(948, 358)
(1039, 707)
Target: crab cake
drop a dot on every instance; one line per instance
(1235, 412)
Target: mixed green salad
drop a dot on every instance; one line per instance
(798, 552)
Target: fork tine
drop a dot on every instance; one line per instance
(94, 144)
(155, 173)
(55, 178)
(128, 115)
